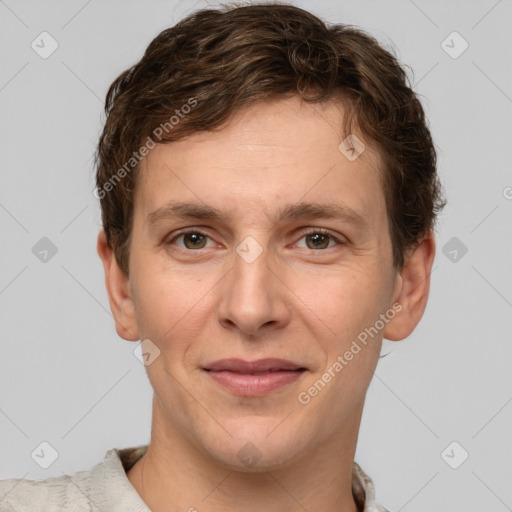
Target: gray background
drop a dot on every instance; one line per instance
(67, 379)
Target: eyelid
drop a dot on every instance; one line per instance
(340, 240)
(186, 231)
(306, 231)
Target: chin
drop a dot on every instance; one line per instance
(258, 451)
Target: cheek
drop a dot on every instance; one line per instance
(162, 301)
(341, 302)
(346, 307)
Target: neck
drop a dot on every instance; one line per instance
(174, 475)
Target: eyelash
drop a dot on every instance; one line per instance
(314, 231)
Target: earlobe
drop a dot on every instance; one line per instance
(119, 293)
(413, 290)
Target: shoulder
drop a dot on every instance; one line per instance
(103, 487)
(364, 491)
(20, 495)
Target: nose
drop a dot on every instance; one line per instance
(253, 298)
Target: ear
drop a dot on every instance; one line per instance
(119, 293)
(413, 285)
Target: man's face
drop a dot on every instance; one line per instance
(251, 285)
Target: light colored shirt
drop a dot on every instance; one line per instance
(106, 488)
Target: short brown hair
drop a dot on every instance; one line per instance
(219, 61)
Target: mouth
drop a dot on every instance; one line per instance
(254, 378)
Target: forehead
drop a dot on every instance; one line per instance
(274, 153)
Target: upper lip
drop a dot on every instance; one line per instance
(260, 365)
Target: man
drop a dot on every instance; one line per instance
(268, 190)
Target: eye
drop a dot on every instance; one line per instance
(316, 239)
(192, 239)
(319, 239)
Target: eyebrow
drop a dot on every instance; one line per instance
(294, 211)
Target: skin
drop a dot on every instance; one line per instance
(294, 301)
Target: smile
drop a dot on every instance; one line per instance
(254, 378)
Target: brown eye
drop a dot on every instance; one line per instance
(192, 240)
(317, 241)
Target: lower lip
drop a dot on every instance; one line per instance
(254, 385)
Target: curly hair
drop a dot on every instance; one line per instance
(197, 74)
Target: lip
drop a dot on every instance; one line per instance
(254, 378)
(260, 365)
